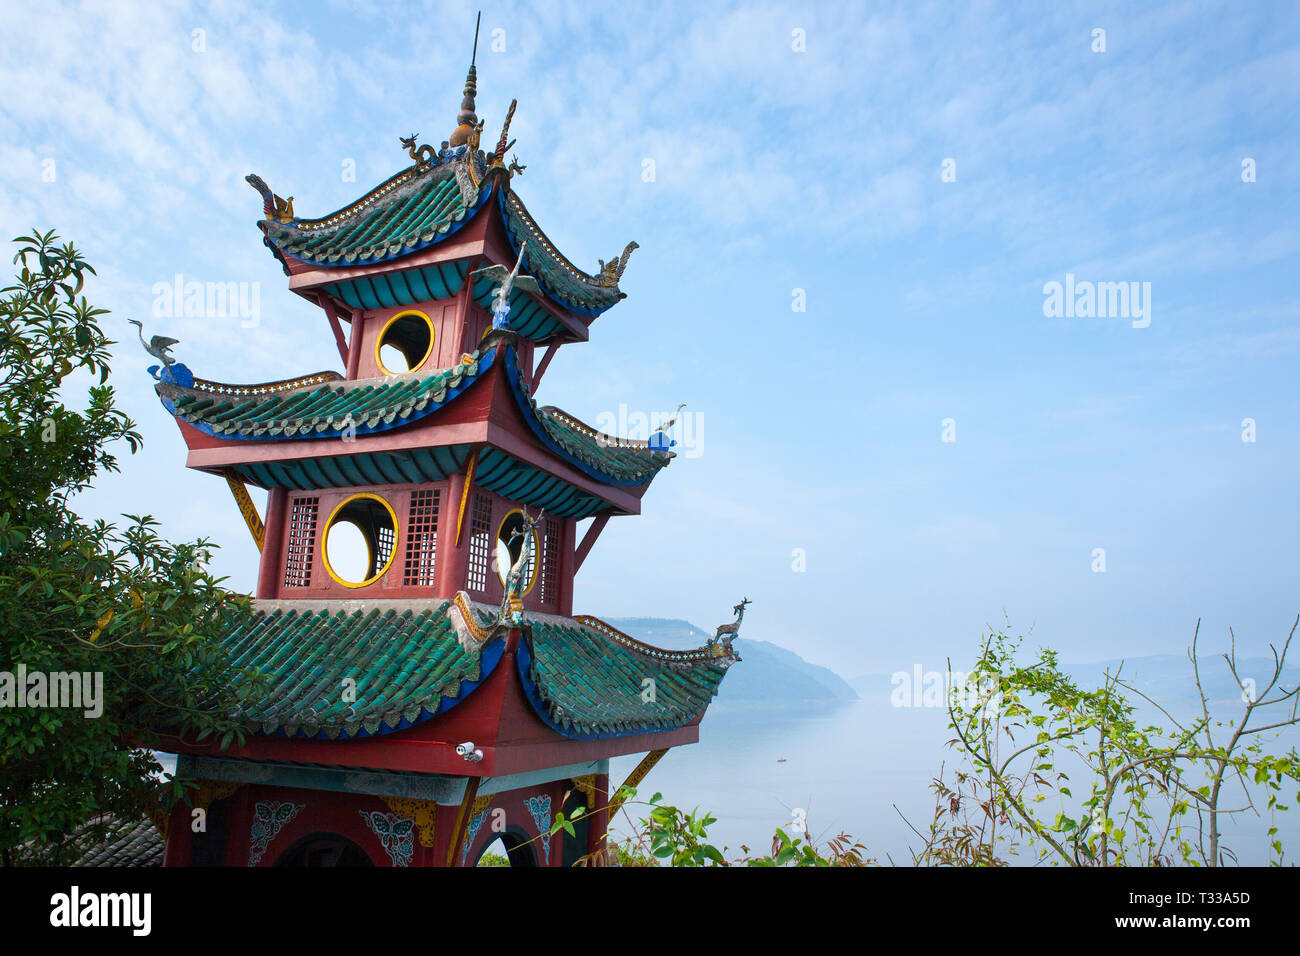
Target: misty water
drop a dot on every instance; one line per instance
(847, 765)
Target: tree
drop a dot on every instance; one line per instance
(86, 605)
(1148, 795)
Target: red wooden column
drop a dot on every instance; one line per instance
(567, 567)
(354, 343)
(180, 837)
(598, 820)
(268, 572)
(453, 556)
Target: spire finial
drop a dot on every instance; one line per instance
(467, 119)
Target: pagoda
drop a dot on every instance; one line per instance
(437, 693)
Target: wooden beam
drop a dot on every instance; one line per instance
(332, 314)
(464, 495)
(588, 540)
(635, 777)
(246, 507)
(462, 818)
(541, 369)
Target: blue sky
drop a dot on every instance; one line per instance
(775, 170)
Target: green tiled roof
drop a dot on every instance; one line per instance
(321, 411)
(420, 207)
(377, 405)
(557, 275)
(416, 659)
(407, 665)
(628, 461)
(587, 679)
(417, 213)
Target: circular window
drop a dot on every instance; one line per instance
(405, 342)
(510, 544)
(360, 540)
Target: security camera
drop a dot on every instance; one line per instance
(469, 751)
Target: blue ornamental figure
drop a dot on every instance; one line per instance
(159, 346)
(660, 441)
(506, 279)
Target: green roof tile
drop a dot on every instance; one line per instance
(377, 405)
(586, 679)
(407, 664)
(420, 207)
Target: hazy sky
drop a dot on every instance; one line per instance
(913, 175)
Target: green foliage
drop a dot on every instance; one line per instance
(1147, 795)
(492, 859)
(88, 597)
(669, 836)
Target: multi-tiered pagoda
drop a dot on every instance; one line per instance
(438, 693)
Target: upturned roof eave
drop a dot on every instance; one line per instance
(520, 433)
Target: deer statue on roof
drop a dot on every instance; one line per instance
(720, 643)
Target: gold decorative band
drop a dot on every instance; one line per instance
(246, 507)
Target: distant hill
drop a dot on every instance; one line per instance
(766, 673)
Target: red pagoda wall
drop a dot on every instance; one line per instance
(299, 520)
(265, 825)
(454, 335)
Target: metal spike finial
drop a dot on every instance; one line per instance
(467, 119)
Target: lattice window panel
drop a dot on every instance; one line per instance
(480, 544)
(422, 537)
(550, 562)
(302, 542)
(385, 541)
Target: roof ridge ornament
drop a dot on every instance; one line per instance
(720, 644)
(496, 158)
(424, 156)
(281, 210)
(612, 271)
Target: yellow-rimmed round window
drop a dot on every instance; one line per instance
(360, 540)
(510, 545)
(405, 342)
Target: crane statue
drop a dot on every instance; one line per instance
(159, 346)
(507, 279)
